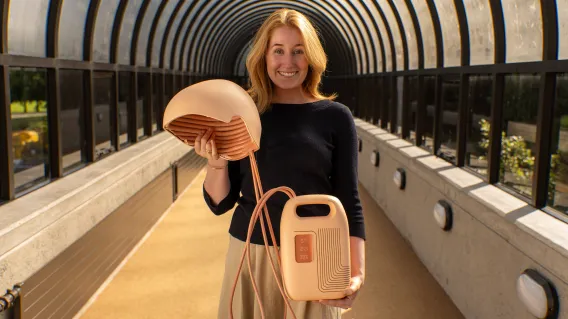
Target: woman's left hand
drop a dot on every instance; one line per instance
(346, 302)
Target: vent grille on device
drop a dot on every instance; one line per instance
(332, 274)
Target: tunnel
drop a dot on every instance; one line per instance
(460, 106)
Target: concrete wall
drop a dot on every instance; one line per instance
(495, 236)
(37, 227)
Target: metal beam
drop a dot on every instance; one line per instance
(53, 95)
(380, 36)
(388, 82)
(136, 31)
(178, 34)
(116, 27)
(358, 25)
(547, 103)
(462, 126)
(405, 125)
(309, 7)
(367, 29)
(494, 154)
(89, 85)
(90, 30)
(239, 40)
(166, 35)
(185, 40)
(273, 6)
(150, 45)
(6, 161)
(267, 10)
(439, 64)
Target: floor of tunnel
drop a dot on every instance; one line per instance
(173, 275)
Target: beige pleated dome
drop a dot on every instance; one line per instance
(222, 105)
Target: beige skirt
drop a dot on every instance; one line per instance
(245, 304)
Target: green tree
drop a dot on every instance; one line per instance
(28, 87)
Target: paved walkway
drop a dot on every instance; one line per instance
(177, 270)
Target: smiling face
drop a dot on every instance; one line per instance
(286, 62)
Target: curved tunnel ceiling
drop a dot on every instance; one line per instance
(360, 37)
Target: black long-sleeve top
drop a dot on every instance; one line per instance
(311, 148)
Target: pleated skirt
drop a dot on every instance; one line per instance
(245, 304)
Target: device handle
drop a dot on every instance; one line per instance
(311, 199)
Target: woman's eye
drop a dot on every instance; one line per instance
(298, 52)
(279, 51)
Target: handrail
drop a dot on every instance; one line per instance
(8, 300)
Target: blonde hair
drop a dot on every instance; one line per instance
(260, 84)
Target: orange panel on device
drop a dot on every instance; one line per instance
(304, 251)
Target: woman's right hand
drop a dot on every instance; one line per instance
(205, 147)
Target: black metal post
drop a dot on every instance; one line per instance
(89, 88)
(420, 111)
(53, 95)
(462, 120)
(115, 119)
(53, 119)
(496, 120)
(133, 109)
(7, 160)
(546, 107)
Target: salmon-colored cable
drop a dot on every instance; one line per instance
(261, 205)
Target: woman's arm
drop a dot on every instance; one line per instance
(217, 183)
(222, 183)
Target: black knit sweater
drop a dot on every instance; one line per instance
(311, 148)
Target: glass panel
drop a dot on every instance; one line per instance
(384, 34)
(481, 39)
(562, 12)
(30, 138)
(142, 50)
(450, 32)
(519, 132)
(430, 105)
(413, 106)
(523, 30)
(127, 30)
(395, 34)
(170, 40)
(141, 103)
(103, 114)
(558, 180)
(71, 29)
(409, 32)
(479, 113)
(450, 107)
(72, 119)
(374, 36)
(160, 29)
(103, 31)
(124, 83)
(427, 30)
(27, 27)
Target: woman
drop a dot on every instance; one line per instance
(308, 143)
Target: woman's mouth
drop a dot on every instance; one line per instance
(287, 74)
